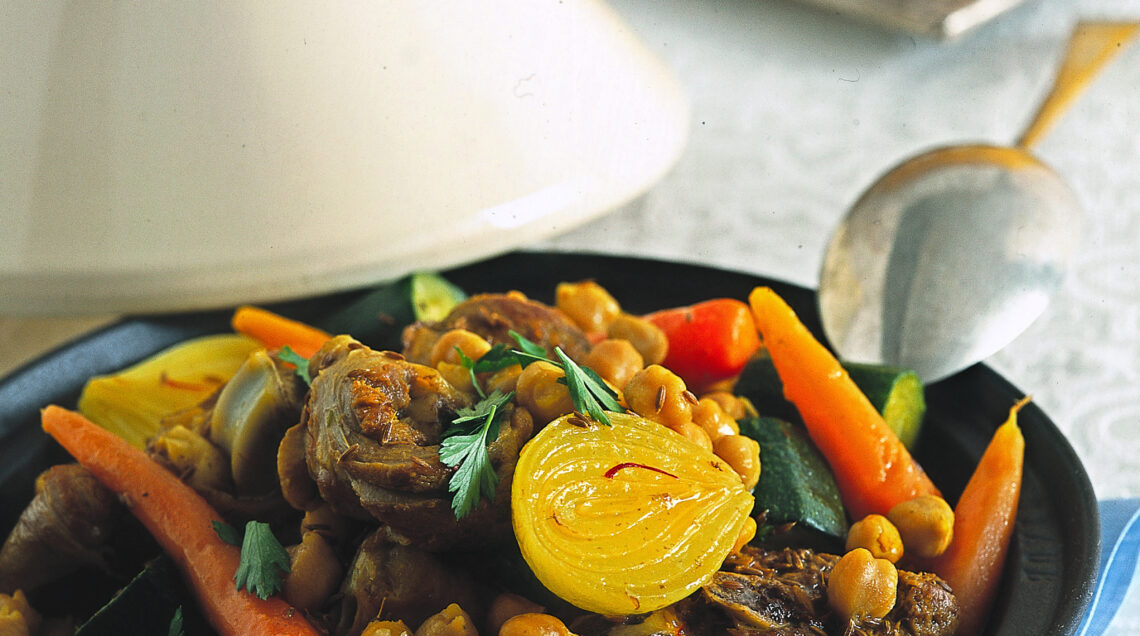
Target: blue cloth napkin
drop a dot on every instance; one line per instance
(1119, 552)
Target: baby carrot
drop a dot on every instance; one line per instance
(983, 525)
(873, 468)
(180, 521)
(276, 331)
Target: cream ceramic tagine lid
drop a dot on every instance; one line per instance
(168, 156)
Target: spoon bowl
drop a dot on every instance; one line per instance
(947, 258)
(951, 254)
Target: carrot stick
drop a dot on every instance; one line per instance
(181, 522)
(276, 331)
(874, 470)
(983, 525)
(708, 341)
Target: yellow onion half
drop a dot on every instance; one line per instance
(623, 519)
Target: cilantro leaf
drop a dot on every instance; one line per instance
(286, 354)
(527, 348)
(589, 393)
(263, 561)
(226, 532)
(464, 448)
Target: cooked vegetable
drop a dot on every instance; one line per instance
(873, 468)
(66, 526)
(180, 521)
(17, 617)
(623, 519)
(926, 524)
(862, 586)
(649, 339)
(250, 417)
(983, 524)
(274, 331)
(658, 394)
(534, 624)
(708, 341)
(589, 393)
(378, 316)
(896, 393)
(742, 453)
(588, 304)
(877, 535)
(132, 402)
(795, 485)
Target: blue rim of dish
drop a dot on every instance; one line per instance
(1049, 576)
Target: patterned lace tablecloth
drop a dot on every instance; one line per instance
(796, 110)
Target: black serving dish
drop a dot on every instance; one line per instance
(1048, 579)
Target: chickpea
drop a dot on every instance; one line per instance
(503, 380)
(742, 453)
(456, 375)
(695, 434)
(506, 606)
(861, 585)
(588, 304)
(314, 573)
(925, 523)
(747, 533)
(386, 628)
(615, 360)
(534, 624)
(658, 394)
(878, 536)
(736, 407)
(646, 337)
(709, 415)
(450, 621)
(471, 344)
(539, 391)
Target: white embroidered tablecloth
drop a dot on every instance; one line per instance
(796, 110)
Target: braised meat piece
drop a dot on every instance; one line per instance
(66, 526)
(494, 316)
(784, 592)
(372, 426)
(395, 582)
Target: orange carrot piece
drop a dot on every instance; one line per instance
(276, 331)
(983, 526)
(708, 341)
(873, 468)
(180, 520)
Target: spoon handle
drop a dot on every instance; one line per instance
(1091, 46)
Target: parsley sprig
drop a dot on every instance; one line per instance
(465, 442)
(287, 354)
(464, 448)
(263, 559)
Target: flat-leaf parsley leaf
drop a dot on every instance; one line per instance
(263, 561)
(464, 448)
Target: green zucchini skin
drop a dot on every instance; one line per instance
(378, 317)
(895, 392)
(796, 487)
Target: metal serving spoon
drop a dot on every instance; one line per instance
(951, 254)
